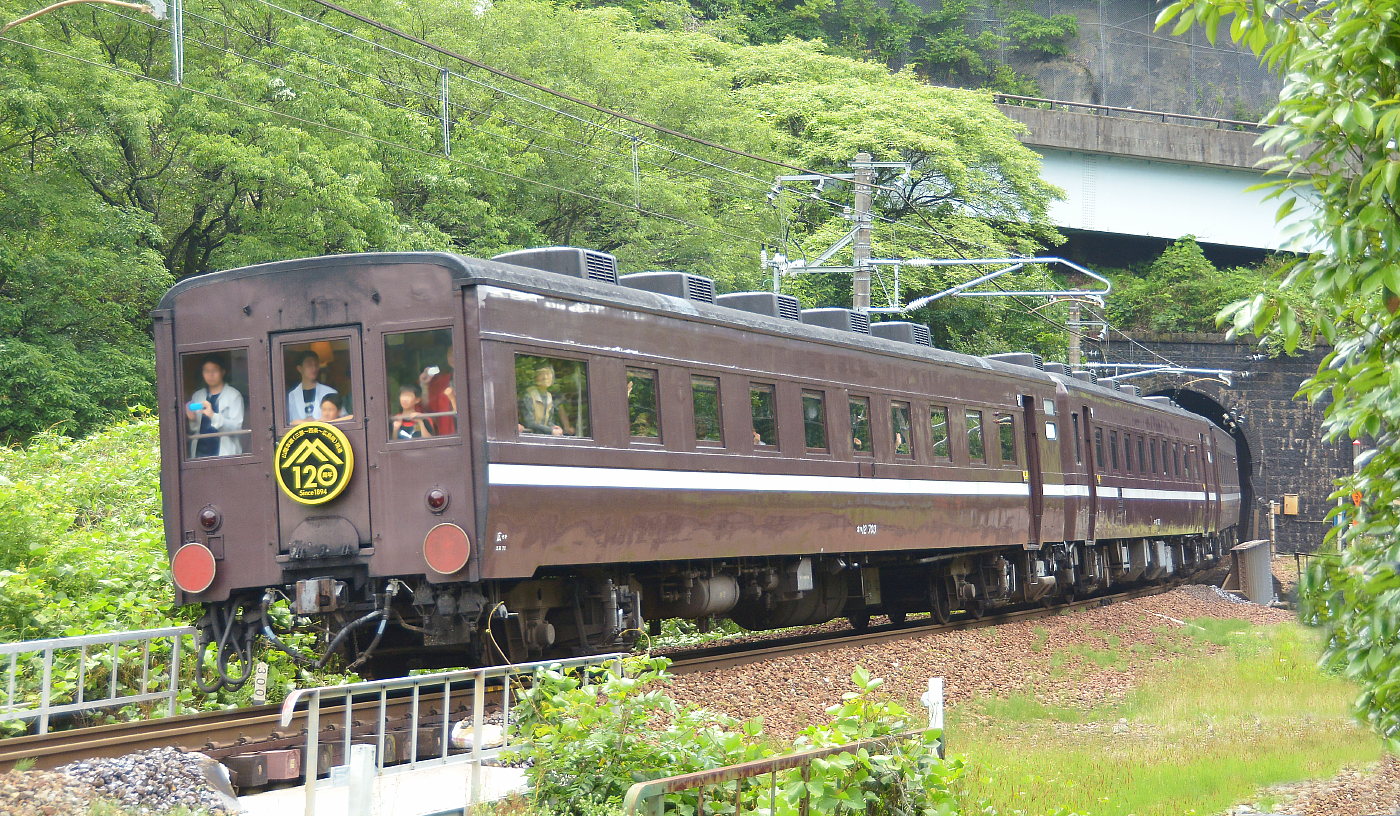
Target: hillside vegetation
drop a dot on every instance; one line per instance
(298, 132)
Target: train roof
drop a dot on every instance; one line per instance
(468, 271)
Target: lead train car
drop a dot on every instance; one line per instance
(707, 461)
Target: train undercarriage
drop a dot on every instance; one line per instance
(385, 628)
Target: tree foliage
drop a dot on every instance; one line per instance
(289, 138)
(1182, 291)
(1334, 128)
(948, 42)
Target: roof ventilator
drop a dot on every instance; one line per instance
(1084, 374)
(1130, 390)
(903, 332)
(575, 262)
(1020, 358)
(835, 318)
(764, 303)
(1056, 368)
(1165, 402)
(676, 284)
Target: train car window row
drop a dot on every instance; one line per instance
(552, 397)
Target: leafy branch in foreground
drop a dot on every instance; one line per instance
(1334, 131)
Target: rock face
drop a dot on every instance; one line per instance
(1118, 59)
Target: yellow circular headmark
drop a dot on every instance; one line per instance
(314, 462)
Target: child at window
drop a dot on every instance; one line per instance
(330, 409)
(410, 423)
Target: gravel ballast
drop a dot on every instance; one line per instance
(152, 782)
(792, 692)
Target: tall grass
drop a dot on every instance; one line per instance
(1242, 708)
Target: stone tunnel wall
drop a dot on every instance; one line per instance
(1283, 434)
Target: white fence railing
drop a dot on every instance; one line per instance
(468, 684)
(111, 671)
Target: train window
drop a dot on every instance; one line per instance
(1052, 431)
(642, 415)
(860, 425)
(1190, 454)
(1166, 459)
(1152, 449)
(1078, 443)
(1176, 460)
(315, 370)
(214, 387)
(1113, 449)
(1006, 437)
(420, 396)
(1128, 453)
(899, 422)
(704, 395)
(1142, 455)
(814, 420)
(552, 396)
(976, 447)
(1098, 448)
(765, 427)
(938, 427)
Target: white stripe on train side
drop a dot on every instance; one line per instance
(505, 475)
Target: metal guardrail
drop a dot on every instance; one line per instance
(649, 798)
(139, 668)
(473, 682)
(1130, 113)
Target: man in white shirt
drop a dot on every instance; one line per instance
(304, 401)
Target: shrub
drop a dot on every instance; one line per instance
(590, 737)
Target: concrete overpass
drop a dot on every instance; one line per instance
(1152, 174)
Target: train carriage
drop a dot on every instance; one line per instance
(533, 441)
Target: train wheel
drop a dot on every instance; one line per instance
(860, 623)
(940, 606)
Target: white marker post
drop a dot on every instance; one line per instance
(362, 771)
(933, 699)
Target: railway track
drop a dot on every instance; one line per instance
(225, 734)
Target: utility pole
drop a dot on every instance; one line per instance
(860, 248)
(1073, 335)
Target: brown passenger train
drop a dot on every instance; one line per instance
(410, 449)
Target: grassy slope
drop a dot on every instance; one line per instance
(1237, 709)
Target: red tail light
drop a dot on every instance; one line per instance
(193, 568)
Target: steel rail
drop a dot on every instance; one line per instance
(726, 656)
(248, 729)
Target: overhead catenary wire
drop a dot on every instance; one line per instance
(759, 240)
(659, 128)
(506, 92)
(428, 97)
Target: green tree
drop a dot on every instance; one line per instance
(1335, 127)
(1181, 291)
